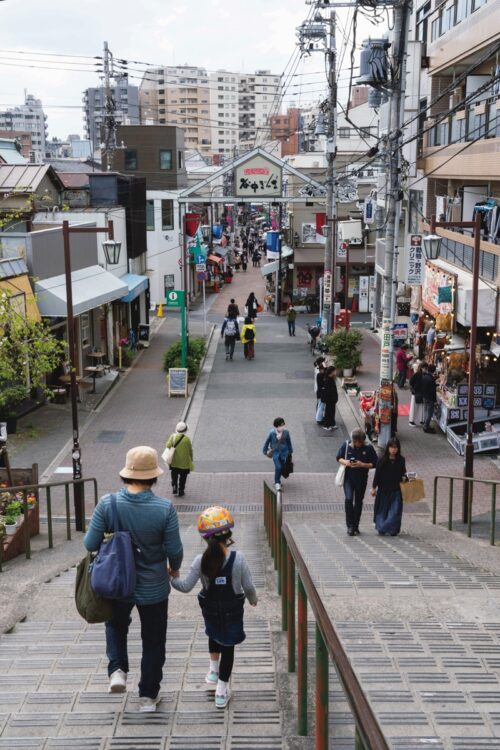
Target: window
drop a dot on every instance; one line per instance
(179, 159)
(17, 303)
(165, 159)
(85, 329)
(167, 214)
(344, 132)
(130, 159)
(150, 216)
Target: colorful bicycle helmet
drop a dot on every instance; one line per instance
(214, 520)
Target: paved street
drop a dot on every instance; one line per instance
(417, 614)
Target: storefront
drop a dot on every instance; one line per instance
(270, 272)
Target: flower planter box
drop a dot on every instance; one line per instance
(14, 545)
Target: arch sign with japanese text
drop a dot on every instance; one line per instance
(258, 177)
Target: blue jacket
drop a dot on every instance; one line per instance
(154, 526)
(281, 448)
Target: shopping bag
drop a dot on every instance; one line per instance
(413, 491)
(90, 606)
(340, 475)
(168, 455)
(320, 411)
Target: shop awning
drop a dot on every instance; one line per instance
(215, 259)
(285, 253)
(136, 286)
(270, 268)
(92, 287)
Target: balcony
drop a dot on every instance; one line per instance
(477, 125)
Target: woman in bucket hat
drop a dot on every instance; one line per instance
(182, 462)
(154, 527)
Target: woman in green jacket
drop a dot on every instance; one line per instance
(182, 462)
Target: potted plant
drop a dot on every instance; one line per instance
(345, 347)
(10, 522)
(14, 509)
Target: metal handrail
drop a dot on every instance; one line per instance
(469, 490)
(292, 569)
(25, 488)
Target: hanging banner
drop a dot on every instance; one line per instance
(416, 265)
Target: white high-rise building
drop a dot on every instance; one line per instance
(126, 112)
(29, 117)
(221, 112)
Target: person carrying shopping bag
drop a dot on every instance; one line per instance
(358, 457)
(226, 582)
(278, 446)
(182, 461)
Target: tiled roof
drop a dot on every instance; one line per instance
(74, 180)
(10, 267)
(23, 179)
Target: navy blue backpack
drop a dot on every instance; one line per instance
(113, 573)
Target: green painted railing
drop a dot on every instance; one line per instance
(37, 489)
(298, 591)
(467, 491)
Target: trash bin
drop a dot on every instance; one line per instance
(143, 335)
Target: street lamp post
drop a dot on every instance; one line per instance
(76, 455)
(432, 246)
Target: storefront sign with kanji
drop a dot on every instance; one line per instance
(258, 177)
(416, 265)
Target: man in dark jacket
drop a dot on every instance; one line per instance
(233, 310)
(232, 333)
(429, 396)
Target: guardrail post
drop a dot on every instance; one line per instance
(277, 532)
(266, 511)
(450, 506)
(469, 508)
(68, 512)
(321, 692)
(291, 611)
(27, 540)
(434, 501)
(271, 528)
(493, 513)
(302, 659)
(84, 521)
(49, 518)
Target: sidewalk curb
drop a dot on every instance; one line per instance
(201, 381)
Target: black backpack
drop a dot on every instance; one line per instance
(249, 334)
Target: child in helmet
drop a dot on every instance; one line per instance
(226, 581)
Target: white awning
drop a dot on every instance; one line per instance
(274, 254)
(270, 268)
(91, 286)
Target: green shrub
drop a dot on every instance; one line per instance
(345, 347)
(196, 350)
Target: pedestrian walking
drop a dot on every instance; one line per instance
(154, 526)
(232, 309)
(255, 258)
(244, 260)
(226, 582)
(329, 397)
(358, 457)
(417, 398)
(429, 396)
(251, 305)
(320, 370)
(182, 462)
(402, 361)
(230, 331)
(278, 446)
(390, 472)
(248, 338)
(291, 315)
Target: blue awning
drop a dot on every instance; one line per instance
(136, 286)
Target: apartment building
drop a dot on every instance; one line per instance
(221, 112)
(179, 96)
(288, 130)
(224, 112)
(126, 112)
(28, 118)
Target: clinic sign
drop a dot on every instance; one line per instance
(416, 265)
(258, 177)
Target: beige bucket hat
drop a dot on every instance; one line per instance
(141, 463)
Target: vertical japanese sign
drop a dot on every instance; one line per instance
(416, 265)
(327, 288)
(258, 177)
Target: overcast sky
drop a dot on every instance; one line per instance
(242, 35)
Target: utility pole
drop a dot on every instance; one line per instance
(331, 174)
(393, 204)
(109, 111)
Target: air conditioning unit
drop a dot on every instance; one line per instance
(455, 98)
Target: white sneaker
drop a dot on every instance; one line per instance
(222, 700)
(212, 678)
(148, 705)
(117, 682)
(278, 486)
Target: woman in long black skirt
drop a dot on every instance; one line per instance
(390, 472)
